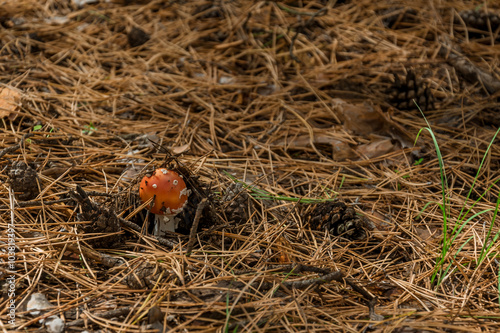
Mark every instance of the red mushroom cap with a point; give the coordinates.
(169, 188)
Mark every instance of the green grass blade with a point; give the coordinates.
(446, 270)
(486, 248)
(478, 172)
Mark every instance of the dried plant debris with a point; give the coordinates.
(339, 219)
(399, 17)
(24, 180)
(307, 100)
(456, 57)
(76, 325)
(102, 223)
(145, 275)
(405, 91)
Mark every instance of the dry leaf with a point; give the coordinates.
(283, 244)
(9, 103)
(180, 149)
(340, 150)
(365, 120)
(380, 221)
(378, 147)
(428, 234)
(361, 119)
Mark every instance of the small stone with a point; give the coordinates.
(137, 37)
(54, 324)
(36, 303)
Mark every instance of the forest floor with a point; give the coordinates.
(294, 123)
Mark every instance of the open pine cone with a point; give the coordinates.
(403, 92)
(338, 219)
(237, 200)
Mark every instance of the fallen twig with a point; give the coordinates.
(194, 227)
(454, 55)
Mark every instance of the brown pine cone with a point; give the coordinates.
(338, 219)
(237, 203)
(479, 19)
(403, 92)
(102, 221)
(23, 180)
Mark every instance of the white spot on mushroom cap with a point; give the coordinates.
(164, 171)
(154, 186)
(185, 192)
(176, 182)
(178, 210)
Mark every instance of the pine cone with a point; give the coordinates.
(102, 221)
(23, 180)
(237, 203)
(339, 220)
(402, 93)
(479, 19)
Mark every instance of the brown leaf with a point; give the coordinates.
(282, 254)
(180, 149)
(378, 147)
(361, 119)
(340, 149)
(9, 103)
(365, 120)
(428, 234)
(380, 221)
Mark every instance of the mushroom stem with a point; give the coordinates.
(164, 224)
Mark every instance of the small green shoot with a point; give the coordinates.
(37, 128)
(284, 279)
(342, 182)
(327, 192)
(419, 161)
(89, 129)
(403, 176)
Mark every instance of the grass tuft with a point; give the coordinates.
(442, 267)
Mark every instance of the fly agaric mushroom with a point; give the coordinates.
(170, 196)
